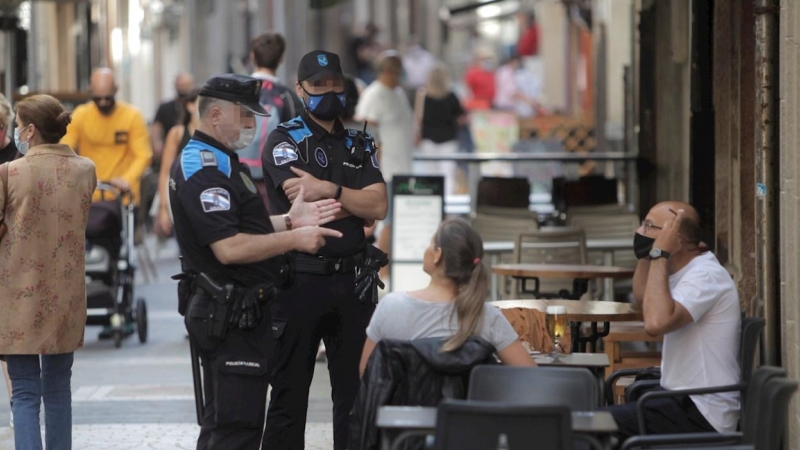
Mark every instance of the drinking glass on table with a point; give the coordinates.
(556, 321)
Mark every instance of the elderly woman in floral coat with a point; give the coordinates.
(44, 203)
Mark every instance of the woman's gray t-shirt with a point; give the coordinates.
(403, 317)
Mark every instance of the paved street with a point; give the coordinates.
(141, 396)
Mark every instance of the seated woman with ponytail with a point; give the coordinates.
(452, 306)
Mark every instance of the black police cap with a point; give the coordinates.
(236, 88)
(319, 64)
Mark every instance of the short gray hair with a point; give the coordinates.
(204, 104)
(6, 113)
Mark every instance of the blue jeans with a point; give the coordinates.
(30, 384)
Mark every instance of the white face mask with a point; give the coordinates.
(22, 147)
(246, 137)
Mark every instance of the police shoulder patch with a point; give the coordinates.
(215, 199)
(283, 153)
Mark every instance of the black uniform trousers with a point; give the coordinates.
(235, 380)
(662, 416)
(315, 307)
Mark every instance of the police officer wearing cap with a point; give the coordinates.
(316, 153)
(228, 244)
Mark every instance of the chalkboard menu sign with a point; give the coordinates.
(417, 211)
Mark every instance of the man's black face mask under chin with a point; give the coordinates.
(642, 245)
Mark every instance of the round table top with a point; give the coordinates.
(562, 271)
(580, 310)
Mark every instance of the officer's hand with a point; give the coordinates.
(163, 224)
(120, 184)
(311, 239)
(305, 214)
(314, 189)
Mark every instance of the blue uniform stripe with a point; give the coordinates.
(192, 162)
(298, 130)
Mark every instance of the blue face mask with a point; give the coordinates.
(327, 106)
(22, 147)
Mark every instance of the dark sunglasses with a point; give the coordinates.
(107, 98)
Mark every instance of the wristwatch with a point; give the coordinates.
(656, 253)
(288, 221)
(338, 192)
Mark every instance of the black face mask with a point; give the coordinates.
(327, 106)
(642, 245)
(107, 108)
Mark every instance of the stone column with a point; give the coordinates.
(672, 99)
(789, 198)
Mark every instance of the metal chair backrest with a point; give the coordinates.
(488, 426)
(621, 225)
(573, 387)
(605, 226)
(550, 245)
(755, 396)
(752, 327)
(773, 415)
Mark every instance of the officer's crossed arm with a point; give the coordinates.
(368, 203)
(304, 214)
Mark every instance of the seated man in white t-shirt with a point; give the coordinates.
(690, 299)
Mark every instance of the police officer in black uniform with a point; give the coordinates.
(228, 244)
(314, 151)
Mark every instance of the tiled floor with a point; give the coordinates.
(163, 436)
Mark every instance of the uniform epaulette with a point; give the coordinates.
(297, 129)
(197, 155)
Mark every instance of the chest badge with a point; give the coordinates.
(321, 157)
(248, 183)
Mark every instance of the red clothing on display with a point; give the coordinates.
(528, 44)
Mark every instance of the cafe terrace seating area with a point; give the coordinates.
(579, 260)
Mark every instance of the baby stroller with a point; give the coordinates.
(110, 267)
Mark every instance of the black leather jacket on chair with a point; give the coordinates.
(412, 373)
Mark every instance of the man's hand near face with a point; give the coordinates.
(669, 240)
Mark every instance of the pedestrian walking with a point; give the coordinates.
(44, 205)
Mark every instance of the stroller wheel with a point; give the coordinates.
(141, 320)
(118, 338)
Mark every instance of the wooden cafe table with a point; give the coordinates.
(580, 274)
(579, 311)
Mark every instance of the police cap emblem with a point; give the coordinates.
(322, 60)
